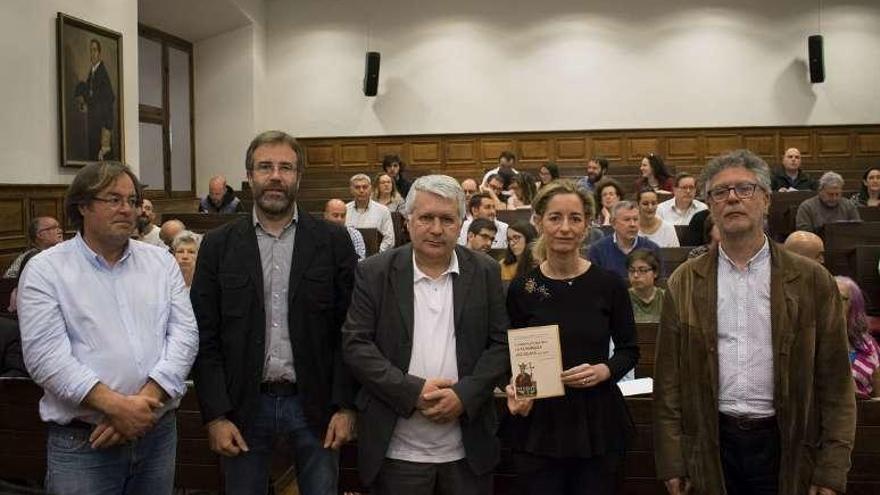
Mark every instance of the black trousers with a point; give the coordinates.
(750, 456)
(541, 475)
(398, 477)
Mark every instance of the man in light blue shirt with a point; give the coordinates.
(108, 332)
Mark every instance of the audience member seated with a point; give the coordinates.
(186, 250)
(394, 166)
(654, 175)
(611, 251)
(334, 212)
(470, 187)
(806, 244)
(496, 190)
(709, 237)
(827, 206)
(522, 191)
(681, 208)
(481, 205)
(869, 193)
(220, 199)
(43, 233)
(385, 193)
(480, 235)
(608, 193)
(864, 354)
(547, 174)
(169, 229)
(650, 225)
(505, 169)
(790, 177)
(363, 212)
(597, 167)
(11, 360)
(518, 258)
(147, 231)
(646, 297)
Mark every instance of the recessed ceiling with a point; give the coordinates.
(192, 20)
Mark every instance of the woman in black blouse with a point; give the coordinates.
(573, 444)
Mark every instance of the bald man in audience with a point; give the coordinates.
(170, 228)
(334, 212)
(220, 199)
(806, 244)
(470, 187)
(790, 177)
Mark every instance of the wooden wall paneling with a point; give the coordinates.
(12, 217)
(609, 146)
(640, 146)
(355, 154)
(461, 152)
(397, 147)
(833, 144)
(800, 140)
(763, 145)
(867, 142)
(535, 150)
(684, 148)
(571, 149)
(427, 153)
(321, 155)
(491, 148)
(46, 207)
(717, 144)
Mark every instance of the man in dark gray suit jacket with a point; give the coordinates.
(426, 337)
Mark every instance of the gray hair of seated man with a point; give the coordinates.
(622, 205)
(359, 178)
(737, 158)
(830, 179)
(441, 185)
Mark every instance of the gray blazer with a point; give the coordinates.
(377, 340)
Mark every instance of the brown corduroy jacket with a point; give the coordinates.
(813, 390)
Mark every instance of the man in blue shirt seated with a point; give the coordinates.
(610, 252)
(108, 332)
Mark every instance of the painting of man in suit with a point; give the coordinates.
(90, 92)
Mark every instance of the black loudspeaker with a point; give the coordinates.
(371, 73)
(817, 59)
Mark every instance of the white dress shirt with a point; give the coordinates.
(670, 214)
(664, 236)
(374, 216)
(84, 321)
(417, 439)
(745, 348)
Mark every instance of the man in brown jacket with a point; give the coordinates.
(753, 392)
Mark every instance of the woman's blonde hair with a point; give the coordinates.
(539, 206)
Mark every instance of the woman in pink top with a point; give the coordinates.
(864, 354)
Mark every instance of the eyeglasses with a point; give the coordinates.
(515, 239)
(116, 202)
(269, 168)
(640, 270)
(743, 190)
(54, 227)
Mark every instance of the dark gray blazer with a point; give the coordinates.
(377, 340)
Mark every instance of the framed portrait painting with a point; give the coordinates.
(89, 92)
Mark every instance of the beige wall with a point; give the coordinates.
(29, 147)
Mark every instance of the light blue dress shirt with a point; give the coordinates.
(83, 322)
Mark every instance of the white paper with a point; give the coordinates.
(638, 386)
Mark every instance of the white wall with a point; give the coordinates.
(29, 147)
(519, 65)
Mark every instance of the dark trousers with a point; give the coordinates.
(540, 475)
(398, 477)
(750, 457)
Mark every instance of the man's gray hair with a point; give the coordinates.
(830, 179)
(359, 178)
(623, 205)
(186, 237)
(737, 158)
(441, 185)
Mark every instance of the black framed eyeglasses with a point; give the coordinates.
(743, 190)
